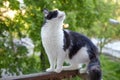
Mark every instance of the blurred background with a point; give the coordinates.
(21, 51)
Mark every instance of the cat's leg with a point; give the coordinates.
(84, 69)
(71, 67)
(60, 61)
(52, 61)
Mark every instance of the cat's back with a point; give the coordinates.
(78, 41)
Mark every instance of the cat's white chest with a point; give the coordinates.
(52, 39)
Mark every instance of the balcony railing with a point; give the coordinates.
(66, 75)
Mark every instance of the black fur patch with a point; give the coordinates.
(52, 14)
(75, 41)
(66, 40)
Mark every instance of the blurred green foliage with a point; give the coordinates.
(110, 66)
(90, 17)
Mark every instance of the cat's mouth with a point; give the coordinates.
(61, 16)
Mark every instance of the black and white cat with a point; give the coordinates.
(65, 45)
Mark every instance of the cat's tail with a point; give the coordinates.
(94, 70)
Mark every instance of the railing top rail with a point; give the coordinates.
(48, 76)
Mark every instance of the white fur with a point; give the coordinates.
(53, 44)
(52, 39)
(80, 58)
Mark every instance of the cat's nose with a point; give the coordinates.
(61, 14)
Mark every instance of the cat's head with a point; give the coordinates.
(55, 15)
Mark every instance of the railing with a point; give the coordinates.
(66, 75)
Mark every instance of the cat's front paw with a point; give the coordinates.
(58, 70)
(82, 71)
(49, 70)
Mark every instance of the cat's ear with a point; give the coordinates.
(46, 12)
